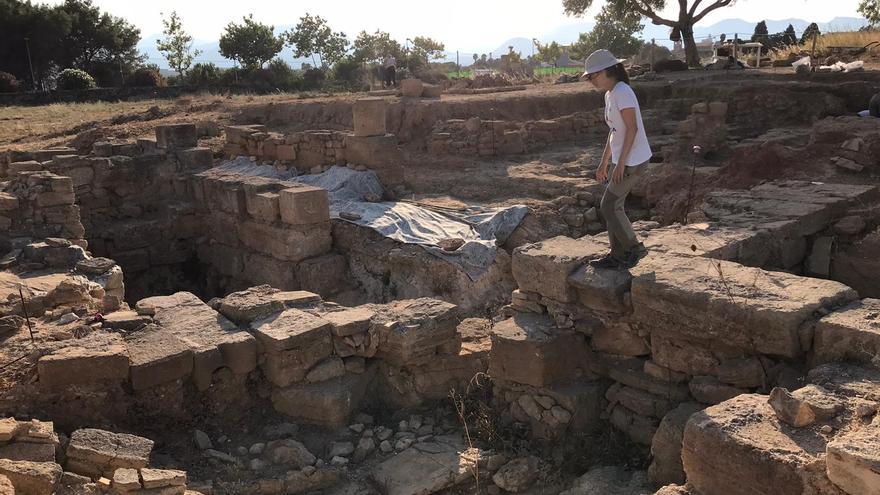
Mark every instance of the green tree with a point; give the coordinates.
(176, 47)
(549, 53)
(615, 30)
(811, 31)
(762, 35)
(251, 43)
(98, 43)
(313, 36)
(871, 10)
(373, 47)
(682, 25)
(790, 36)
(428, 49)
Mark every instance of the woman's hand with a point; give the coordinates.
(602, 172)
(617, 174)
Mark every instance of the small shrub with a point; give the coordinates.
(146, 77)
(233, 76)
(348, 72)
(8, 83)
(313, 79)
(75, 79)
(203, 75)
(282, 74)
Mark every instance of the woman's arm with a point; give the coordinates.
(631, 131)
(602, 171)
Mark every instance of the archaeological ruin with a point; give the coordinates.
(391, 294)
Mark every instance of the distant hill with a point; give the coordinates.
(563, 35)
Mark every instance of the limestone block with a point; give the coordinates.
(739, 448)
(529, 349)
(369, 117)
(264, 207)
(126, 479)
(328, 403)
(350, 321)
(619, 339)
(853, 461)
(544, 267)
(744, 307)
(160, 478)
(325, 275)
(602, 289)
(177, 136)
(288, 243)
(195, 158)
(379, 153)
(8, 429)
(8, 202)
(431, 468)
(25, 451)
(640, 402)
(251, 304)
(411, 331)
(53, 198)
(304, 205)
(28, 166)
(93, 361)
(294, 341)
(238, 134)
(94, 453)
(31, 478)
(261, 269)
(631, 372)
(286, 152)
(412, 88)
(850, 334)
(666, 467)
(688, 356)
(215, 341)
(157, 357)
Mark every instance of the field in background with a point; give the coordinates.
(540, 72)
(826, 43)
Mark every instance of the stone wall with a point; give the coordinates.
(497, 137)
(690, 326)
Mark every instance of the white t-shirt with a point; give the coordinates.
(390, 62)
(619, 98)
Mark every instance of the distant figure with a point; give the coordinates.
(874, 106)
(390, 65)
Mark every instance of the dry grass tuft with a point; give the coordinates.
(826, 44)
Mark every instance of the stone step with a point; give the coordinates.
(850, 334)
(530, 349)
(747, 308)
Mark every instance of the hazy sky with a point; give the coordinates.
(460, 24)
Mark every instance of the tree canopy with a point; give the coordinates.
(427, 48)
(73, 34)
(372, 47)
(615, 31)
(871, 10)
(251, 43)
(690, 12)
(549, 53)
(313, 36)
(177, 44)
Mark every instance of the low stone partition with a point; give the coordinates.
(318, 362)
(33, 460)
(40, 204)
(478, 137)
(691, 325)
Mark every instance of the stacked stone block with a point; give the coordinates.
(687, 326)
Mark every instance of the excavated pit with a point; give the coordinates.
(267, 345)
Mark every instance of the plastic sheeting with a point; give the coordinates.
(481, 229)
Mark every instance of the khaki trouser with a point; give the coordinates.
(620, 231)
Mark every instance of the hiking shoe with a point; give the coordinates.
(633, 257)
(606, 262)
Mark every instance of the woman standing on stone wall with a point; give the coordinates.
(628, 152)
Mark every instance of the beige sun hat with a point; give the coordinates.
(599, 61)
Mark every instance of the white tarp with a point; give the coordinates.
(481, 229)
